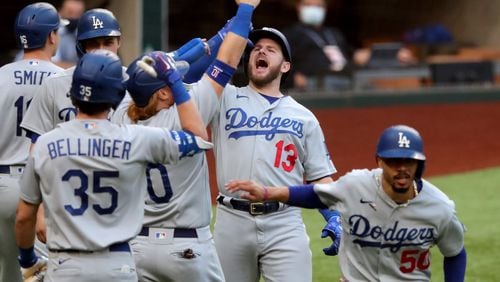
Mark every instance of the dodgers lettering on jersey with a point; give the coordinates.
(30, 77)
(268, 125)
(394, 236)
(92, 147)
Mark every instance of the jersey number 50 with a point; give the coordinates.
(96, 188)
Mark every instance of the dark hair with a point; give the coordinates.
(90, 108)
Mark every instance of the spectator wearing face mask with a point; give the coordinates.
(66, 55)
(322, 57)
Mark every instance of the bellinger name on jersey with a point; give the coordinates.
(267, 125)
(94, 147)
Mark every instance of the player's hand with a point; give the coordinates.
(36, 272)
(41, 228)
(254, 3)
(332, 229)
(254, 191)
(161, 65)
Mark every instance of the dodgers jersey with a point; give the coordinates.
(52, 105)
(177, 195)
(384, 241)
(90, 174)
(20, 82)
(274, 144)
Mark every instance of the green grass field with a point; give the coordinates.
(476, 198)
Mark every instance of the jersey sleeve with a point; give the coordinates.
(451, 238)
(159, 145)
(317, 163)
(38, 117)
(205, 98)
(29, 183)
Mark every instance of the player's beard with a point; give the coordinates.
(398, 188)
(271, 75)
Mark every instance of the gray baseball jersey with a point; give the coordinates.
(20, 81)
(90, 174)
(177, 196)
(52, 105)
(274, 144)
(384, 241)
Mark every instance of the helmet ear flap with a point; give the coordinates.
(34, 23)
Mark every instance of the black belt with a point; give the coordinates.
(117, 247)
(5, 169)
(178, 232)
(253, 208)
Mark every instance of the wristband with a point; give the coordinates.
(179, 92)
(266, 194)
(27, 257)
(220, 72)
(242, 21)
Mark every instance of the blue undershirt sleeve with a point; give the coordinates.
(454, 267)
(305, 197)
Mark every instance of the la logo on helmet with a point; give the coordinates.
(97, 22)
(403, 141)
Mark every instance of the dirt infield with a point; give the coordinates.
(457, 137)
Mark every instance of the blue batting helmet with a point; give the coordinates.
(34, 23)
(141, 85)
(401, 141)
(96, 23)
(99, 78)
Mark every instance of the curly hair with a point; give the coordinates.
(136, 113)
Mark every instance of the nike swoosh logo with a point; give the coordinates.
(241, 96)
(365, 202)
(61, 261)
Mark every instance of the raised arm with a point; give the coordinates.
(233, 46)
(163, 66)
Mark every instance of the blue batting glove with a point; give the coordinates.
(333, 229)
(165, 68)
(191, 51)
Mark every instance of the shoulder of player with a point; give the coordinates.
(433, 195)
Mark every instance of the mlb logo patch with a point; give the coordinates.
(161, 235)
(34, 63)
(89, 125)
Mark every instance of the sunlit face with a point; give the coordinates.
(110, 43)
(398, 173)
(266, 62)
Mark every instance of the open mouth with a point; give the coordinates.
(261, 64)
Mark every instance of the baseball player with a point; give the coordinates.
(36, 28)
(175, 243)
(391, 217)
(89, 173)
(97, 29)
(260, 133)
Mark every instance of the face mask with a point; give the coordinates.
(312, 15)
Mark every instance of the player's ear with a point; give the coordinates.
(285, 67)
